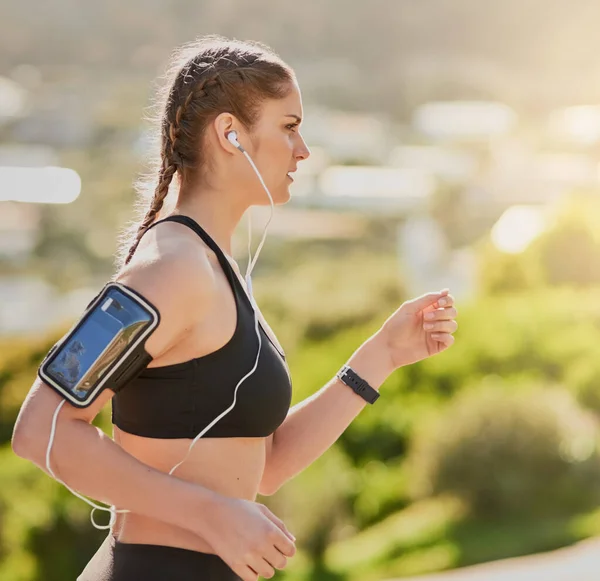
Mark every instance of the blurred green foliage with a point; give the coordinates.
(530, 453)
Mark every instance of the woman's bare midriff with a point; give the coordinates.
(229, 466)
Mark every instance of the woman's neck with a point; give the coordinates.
(213, 212)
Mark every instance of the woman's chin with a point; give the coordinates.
(281, 196)
(287, 195)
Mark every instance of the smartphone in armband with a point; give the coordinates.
(105, 349)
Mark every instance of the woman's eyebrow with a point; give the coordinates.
(296, 117)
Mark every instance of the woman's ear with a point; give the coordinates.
(222, 126)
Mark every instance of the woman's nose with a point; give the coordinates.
(302, 151)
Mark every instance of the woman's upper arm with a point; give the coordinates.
(181, 288)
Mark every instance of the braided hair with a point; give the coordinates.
(209, 76)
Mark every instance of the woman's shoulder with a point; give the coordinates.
(172, 249)
(172, 271)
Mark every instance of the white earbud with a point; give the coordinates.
(232, 137)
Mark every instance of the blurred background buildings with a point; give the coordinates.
(431, 102)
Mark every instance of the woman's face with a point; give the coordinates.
(277, 147)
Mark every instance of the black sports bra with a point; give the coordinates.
(180, 400)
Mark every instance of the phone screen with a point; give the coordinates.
(97, 342)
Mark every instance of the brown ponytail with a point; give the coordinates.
(170, 162)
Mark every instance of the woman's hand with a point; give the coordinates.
(420, 328)
(248, 537)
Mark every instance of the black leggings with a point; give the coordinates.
(115, 561)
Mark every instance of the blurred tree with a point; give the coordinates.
(530, 454)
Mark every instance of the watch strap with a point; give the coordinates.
(360, 386)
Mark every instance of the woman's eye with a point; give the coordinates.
(291, 126)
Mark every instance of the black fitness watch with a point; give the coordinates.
(348, 376)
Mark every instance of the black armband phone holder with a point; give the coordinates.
(105, 349)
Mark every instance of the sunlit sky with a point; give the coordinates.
(518, 227)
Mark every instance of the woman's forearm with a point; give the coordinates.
(313, 425)
(94, 465)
